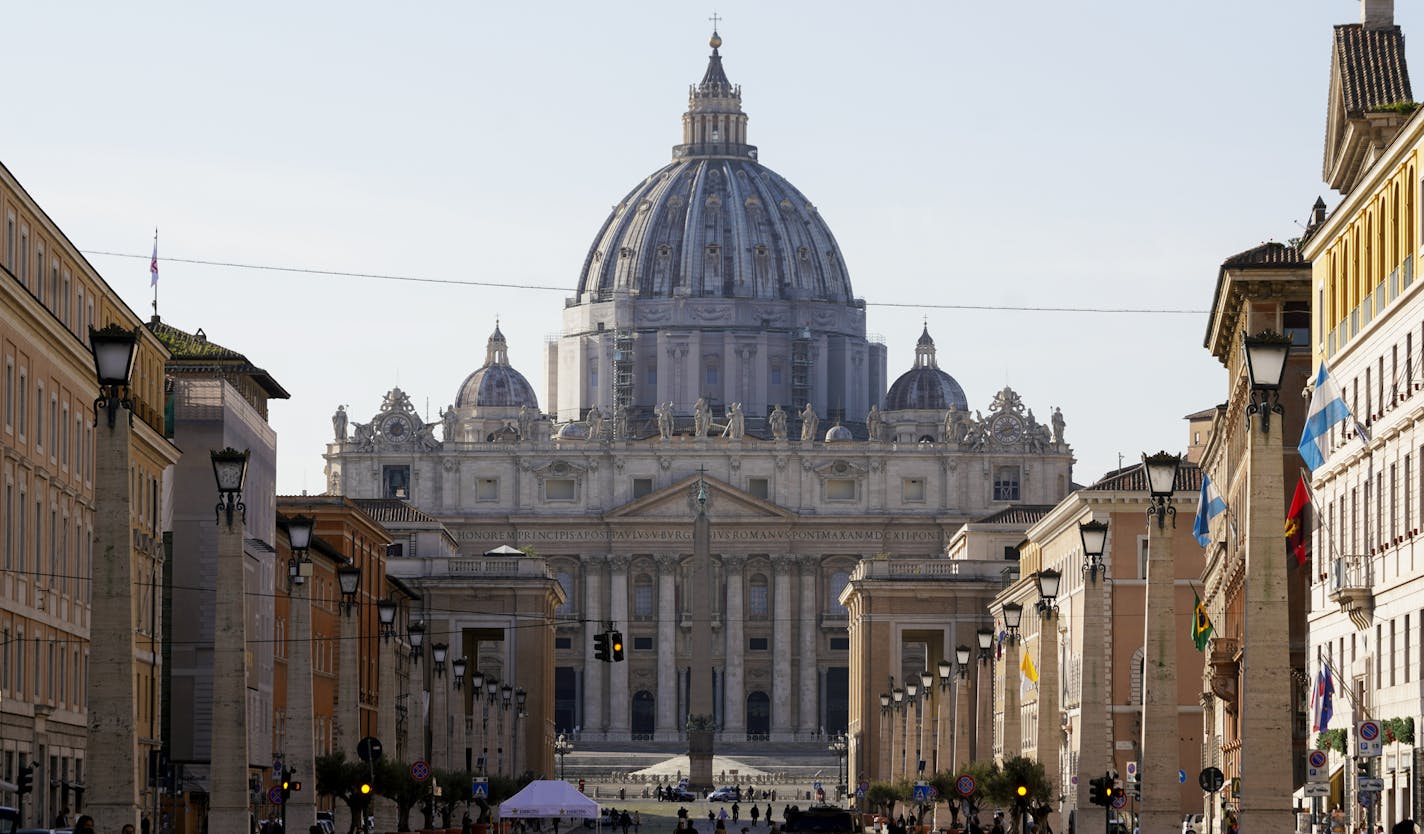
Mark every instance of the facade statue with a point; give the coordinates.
(777, 420)
(701, 418)
(1057, 426)
(449, 418)
(620, 423)
(595, 424)
(956, 425)
(365, 435)
(873, 423)
(526, 417)
(976, 434)
(338, 423)
(664, 413)
(736, 422)
(809, 423)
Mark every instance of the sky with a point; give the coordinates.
(1106, 155)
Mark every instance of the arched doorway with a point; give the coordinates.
(758, 716)
(644, 715)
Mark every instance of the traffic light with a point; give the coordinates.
(25, 781)
(600, 647)
(616, 638)
(1109, 790)
(1021, 795)
(289, 784)
(365, 788)
(1095, 791)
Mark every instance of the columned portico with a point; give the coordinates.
(782, 567)
(668, 724)
(734, 726)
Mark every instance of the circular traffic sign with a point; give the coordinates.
(1317, 758)
(369, 749)
(419, 771)
(1181, 777)
(1120, 801)
(275, 795)
(1211, 779)
(1369, 730)
(965, 785)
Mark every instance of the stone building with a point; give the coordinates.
(50, 297)
(713, 333)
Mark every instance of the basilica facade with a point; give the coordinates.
(713, 346)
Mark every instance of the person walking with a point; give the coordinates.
(756, 812)
(737, 812)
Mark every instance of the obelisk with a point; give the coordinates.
(701, 719)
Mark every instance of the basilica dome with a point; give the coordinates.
(925, 386)
(497, 384)
(715, 222)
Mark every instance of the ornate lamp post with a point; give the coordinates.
(416, 632)
(386, 616)
(562, 748)
(897, 697)
(506, 696)
(926, 698)
(491, 695)
(944, 718)
(1266, 706)
(521, 702)
(299, 811)
(440, 707)
(840, 747)
(227, 776)
(113, 737)
(886, 730)
(1159, 680)
(1049, 725)
(912, 705)
(477, 696)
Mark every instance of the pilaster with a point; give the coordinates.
(734, 704)
(667, 727)
(782, 568)
(808, 717)
(620, 706)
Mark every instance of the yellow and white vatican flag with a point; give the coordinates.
(1028, 676)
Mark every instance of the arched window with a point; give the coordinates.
(758, 599)
(839, 580)
(566, 581)
(643, 597)
(1139, 660)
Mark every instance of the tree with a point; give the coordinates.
(394, 782)
(882, 796)
(1003, 787)
(338, 778)
(455, 788)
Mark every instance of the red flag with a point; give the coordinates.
(1296, 538)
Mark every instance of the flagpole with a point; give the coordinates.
(153, 269)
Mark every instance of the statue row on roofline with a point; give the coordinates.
(1008, 426)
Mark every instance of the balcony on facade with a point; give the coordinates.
(1352, 587)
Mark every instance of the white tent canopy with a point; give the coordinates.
(549, 798)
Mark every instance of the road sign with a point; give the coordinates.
(479, 787)
(276, 766)
(1119, 800)
(922, 792)
(1181, 777)
(965, 785)
(1370, 785)
(1317, 788)
(1211, 779)
(859, 791)
(369, 749)
(1317, 766)
(1367, 739)
(816, 785)
(419, 771)
(274, 795)
(1367, 799)
(1131, 769)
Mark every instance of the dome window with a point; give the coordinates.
(803, 254)
(760, 250)
(625, 252)
(664, 251)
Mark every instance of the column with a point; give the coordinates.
(1160, 725)
(782, 566)
(809, 716)
(346, 726)
(439, 714)
(300, 752)
(227, 786)
(982, 716)
(595, 723)
(1050, 726)
(1013, 718)
(112, 769)
(1266, 679)
(963, 722)
(1092, 736)
(734, 704)
(668, 723)
(384, 809)
(620, 706)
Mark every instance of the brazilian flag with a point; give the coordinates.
(1201, 624)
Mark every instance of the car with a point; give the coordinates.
(1193, 824)
(327, 821)
(680, 793)
(726, 793)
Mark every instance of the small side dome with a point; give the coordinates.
(838, 434)
(925, 386)
(497, 384)
(572, 431)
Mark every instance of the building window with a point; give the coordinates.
(840, 489)
(759, 487)
(711, 375)
(643, 597)
(839, 580)
(757, 644)
(396, 481)
(9, 394)
(652, 376)
(23, 403)
(912, 489)
(1006, 483)
(642, 486)
(487, 489)
(643, 644)
(840, 644)
(563, 642)
(559, 489)
(775, 374)
(758, 598)
(1142, 553)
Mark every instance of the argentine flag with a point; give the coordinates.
(1209, 506)
(1327, 409)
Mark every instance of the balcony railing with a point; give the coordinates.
(1350, 573)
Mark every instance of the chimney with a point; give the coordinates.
(1377, 14)
(1317, 214)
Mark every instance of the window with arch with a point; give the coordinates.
(1139, 667)
(643, 597)
(566, 581)
(758, 597)
(839, 580)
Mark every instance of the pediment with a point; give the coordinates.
(678, 501)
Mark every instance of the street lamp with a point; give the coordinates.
(506, 692)
(986, 644)
(961, 656)
(386, 615)
(477, 690)
(227, 778)
(458, 667)
(945, 669)
(562, 748)
(1095, 541)
(491, 695)
(1266, 355)
(113, 348)
(840, 746)
(416, 632)
(1048, 591)
(1161, 471)
(348, 578)
(113, 738)
(1013, 615)
(439, 652)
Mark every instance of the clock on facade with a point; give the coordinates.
(1007, 429)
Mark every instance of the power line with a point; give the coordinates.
(336, 273)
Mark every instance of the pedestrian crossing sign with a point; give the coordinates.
(479, 787)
